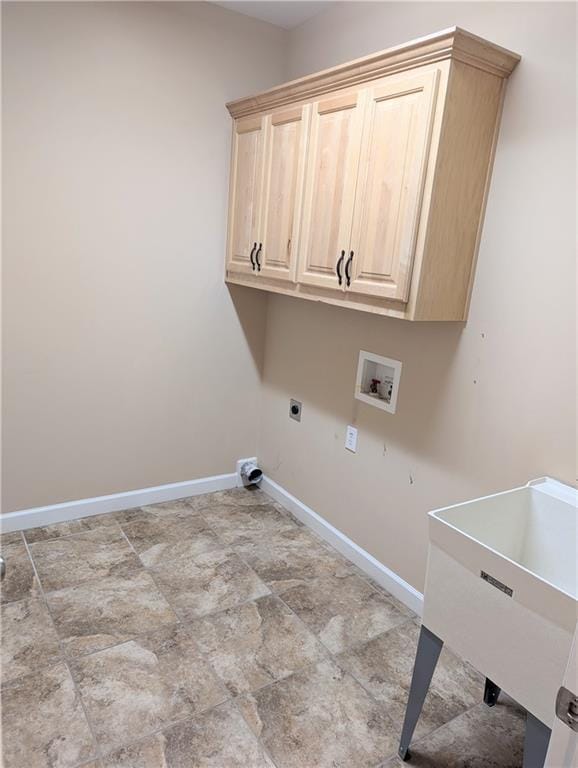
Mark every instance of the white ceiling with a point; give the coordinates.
(282, 13)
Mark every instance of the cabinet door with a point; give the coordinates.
(395, 147)
(287, 137)
(333, 159)
(245, 194)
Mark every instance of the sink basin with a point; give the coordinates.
(501, 587)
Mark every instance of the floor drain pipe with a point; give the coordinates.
(250, 473)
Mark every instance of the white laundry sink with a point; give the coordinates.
(501, 587)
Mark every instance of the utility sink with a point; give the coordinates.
(501, 587)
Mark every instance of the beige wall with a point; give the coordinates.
(483, 407)
(126, 362)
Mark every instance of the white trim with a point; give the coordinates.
(380, 573)
(72, 510)
(557, 489)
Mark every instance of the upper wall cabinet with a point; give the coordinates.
(268, 166)
(391, 174)
(287, 135)
(332, 164)
(365, 185)
(246, 192)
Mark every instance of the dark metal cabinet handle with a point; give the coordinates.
(251, 255)
(348, 270)
(338, 267)
(567, 708)
(257, 257)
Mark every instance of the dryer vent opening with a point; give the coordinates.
(251, 474)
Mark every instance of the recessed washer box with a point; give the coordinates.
(377, 381)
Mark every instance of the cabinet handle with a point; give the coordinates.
(257, 256)
(251, 255)
(347, 270)
(338, 267)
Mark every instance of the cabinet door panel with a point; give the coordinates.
(284, 171)
(246, 187)
(395, 147)
(335, 141)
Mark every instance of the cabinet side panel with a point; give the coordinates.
(462, 177)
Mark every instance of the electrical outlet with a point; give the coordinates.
(295, 410)
(351, 439)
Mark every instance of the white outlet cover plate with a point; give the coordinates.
(351, 439)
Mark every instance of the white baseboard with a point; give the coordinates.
(380, 573)
(72, 510)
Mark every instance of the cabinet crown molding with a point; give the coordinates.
(452, 43)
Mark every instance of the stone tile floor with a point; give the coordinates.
(218, 632)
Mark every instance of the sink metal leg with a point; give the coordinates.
(491, 693)
(428, 652)
(536, 742)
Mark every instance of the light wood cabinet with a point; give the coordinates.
(365, 185)
(246, 193)
(285, 149)
(332, 164)
(267, 172)
(396, 141)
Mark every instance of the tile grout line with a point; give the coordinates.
(384, 593)
(160, 730)
(280, 597)
(357, 572)
(7, 533)
(272, 592)
(130, 572)
(166, 726)
(96, 745)
(74, 533)
(118, 525)
(333, 658)
(431, 733)
(229, 699)
(382, 704)
(177, 612)
(109, 528)
(179, 622)
(257, 738)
